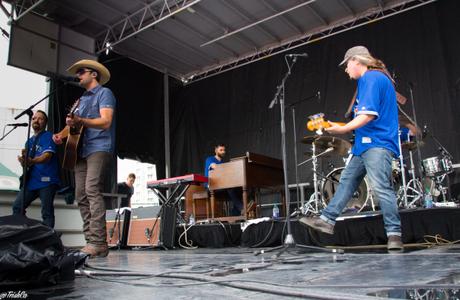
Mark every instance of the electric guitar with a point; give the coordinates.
(318, 123)
(73, 134)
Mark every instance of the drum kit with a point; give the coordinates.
(410, 194)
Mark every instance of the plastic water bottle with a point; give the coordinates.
(276, 212)
(191, 219)
(428, 200)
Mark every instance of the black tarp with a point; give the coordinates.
(32, 254)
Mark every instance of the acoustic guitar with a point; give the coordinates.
(73, 134)
(318, 123)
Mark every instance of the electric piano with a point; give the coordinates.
(178, 185)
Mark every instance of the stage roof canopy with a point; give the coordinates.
(194, 39)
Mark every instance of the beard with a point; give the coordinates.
(35, 126)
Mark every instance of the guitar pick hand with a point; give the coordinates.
(57, 139)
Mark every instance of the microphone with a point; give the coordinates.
(63, 78)
(18, 124)
(297, 55)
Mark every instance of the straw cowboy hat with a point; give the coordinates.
(93, 65)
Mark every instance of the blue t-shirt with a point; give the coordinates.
(376, 96)
(210, 160)
(96, 140)
(43, 175)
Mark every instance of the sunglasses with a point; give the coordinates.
(82, 71)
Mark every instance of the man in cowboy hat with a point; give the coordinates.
(95, 112)
(375, 124)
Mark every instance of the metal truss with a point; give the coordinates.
(139, 21)
(21, 8)
(361, 19)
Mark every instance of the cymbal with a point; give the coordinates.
(322, 142)
(412, 145)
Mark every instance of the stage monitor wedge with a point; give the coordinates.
(42, 46)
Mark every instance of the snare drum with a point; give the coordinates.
(437, 166)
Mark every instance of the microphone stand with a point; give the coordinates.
(289, 241)
(6, 134)
(292, 106)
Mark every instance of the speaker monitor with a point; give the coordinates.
(144, 229)
(116, 224)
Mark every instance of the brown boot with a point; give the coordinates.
(95, 250)
(318, 224)
(395, 244)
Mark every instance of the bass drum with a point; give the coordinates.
(362, 198)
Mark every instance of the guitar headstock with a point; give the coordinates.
(74, 107)
(317, 123)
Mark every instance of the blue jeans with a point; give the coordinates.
(376, 163)
(46, 195)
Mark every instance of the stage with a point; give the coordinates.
(237, 261)
(352, 230)
(236, 273)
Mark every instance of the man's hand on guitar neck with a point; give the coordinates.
(336, 128)
(73, 120)
(357, 122)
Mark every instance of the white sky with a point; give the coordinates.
(18, 88)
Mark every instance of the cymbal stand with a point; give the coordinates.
(403, 171)
(315, 198)
(414, 186)
(439, 187)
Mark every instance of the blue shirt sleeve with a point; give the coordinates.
(47, 144)
(206, 166)
(368, 96)
(107, 99)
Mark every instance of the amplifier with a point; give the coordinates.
(115, 225)
(144, 228)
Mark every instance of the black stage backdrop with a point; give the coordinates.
(139, 112)
(421, 48)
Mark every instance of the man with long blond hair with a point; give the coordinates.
(375, 123)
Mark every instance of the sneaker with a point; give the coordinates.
(395, 244)
(95, 250)
(318, 224)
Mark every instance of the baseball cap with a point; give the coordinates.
(354, 51)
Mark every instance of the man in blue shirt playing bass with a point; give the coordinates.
(95, 112)
(375, 124)
(43, 174)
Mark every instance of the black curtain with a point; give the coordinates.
(420, 47)
(139, 113)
